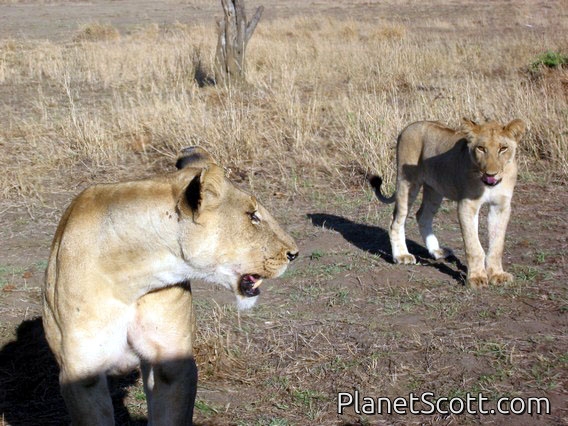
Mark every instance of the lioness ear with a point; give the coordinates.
(212, 182)
(205, 190)
(515, 129)
(193, 156)
(193, 193)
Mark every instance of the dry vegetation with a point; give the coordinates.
(325, 99)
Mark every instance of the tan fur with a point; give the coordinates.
(117, 284)
(474, 166)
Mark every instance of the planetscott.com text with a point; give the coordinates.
(428, 403)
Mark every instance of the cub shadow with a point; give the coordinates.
(29, 384)
(375, 240)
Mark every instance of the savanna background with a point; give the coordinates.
(103, 91)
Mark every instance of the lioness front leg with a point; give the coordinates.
(171, 388)
(468, 214)
(87, 399)
(498, 219)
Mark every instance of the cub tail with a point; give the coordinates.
(376, 182)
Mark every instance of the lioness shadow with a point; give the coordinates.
(29, 385)
(375, 240)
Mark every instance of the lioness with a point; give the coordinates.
(474, 166)
(117, 284)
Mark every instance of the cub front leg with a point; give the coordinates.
(468, 214)
(497, 221)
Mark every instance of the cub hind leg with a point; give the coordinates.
(406, 193)
(431, 201)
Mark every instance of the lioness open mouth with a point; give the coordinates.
(249, 285)
(490, 180)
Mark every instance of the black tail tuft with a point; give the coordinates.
(376, 182)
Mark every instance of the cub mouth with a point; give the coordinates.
(249, 284)
(490, 180)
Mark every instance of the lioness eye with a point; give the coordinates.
(481, 149)
(503, 149)
(254, 218)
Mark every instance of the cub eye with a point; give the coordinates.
(481, 149)
(503, 149)
(254, 218)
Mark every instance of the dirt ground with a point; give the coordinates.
(344, 317)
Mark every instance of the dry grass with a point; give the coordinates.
(326, 98)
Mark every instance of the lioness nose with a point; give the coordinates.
(291, 256)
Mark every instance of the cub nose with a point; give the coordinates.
(292, 255)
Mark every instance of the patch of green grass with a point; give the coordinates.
(306, 396)
(486, 384)
(279, 382)
(339, 298)
(41, 265)
(316, 254)
(309, 401)
(319, 271)
(338, 364)
(404, 299)
(139, 395)
(8, 271)
(525, 272)
(278, 422)
(550, 59)
(497, 351)
(306, 293)
(205, 407)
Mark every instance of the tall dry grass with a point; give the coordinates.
(325, 100)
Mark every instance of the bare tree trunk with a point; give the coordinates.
(233, 36)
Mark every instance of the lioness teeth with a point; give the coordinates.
(256, 284)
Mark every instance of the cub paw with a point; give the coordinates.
(405, 259)
(477, 280)
(442, 253)
(499, 278)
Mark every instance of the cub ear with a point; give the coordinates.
(205, 190)
(515, 129)
(193, 156)
(469, 127)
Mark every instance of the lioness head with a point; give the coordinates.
(492, 147)
(227, 236)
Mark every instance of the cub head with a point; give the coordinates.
(492, 147)
(227, 236)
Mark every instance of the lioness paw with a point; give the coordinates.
(405, 259)
(499, 278)
(477, 280)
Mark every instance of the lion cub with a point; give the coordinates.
(474, 166)
(117, 291)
